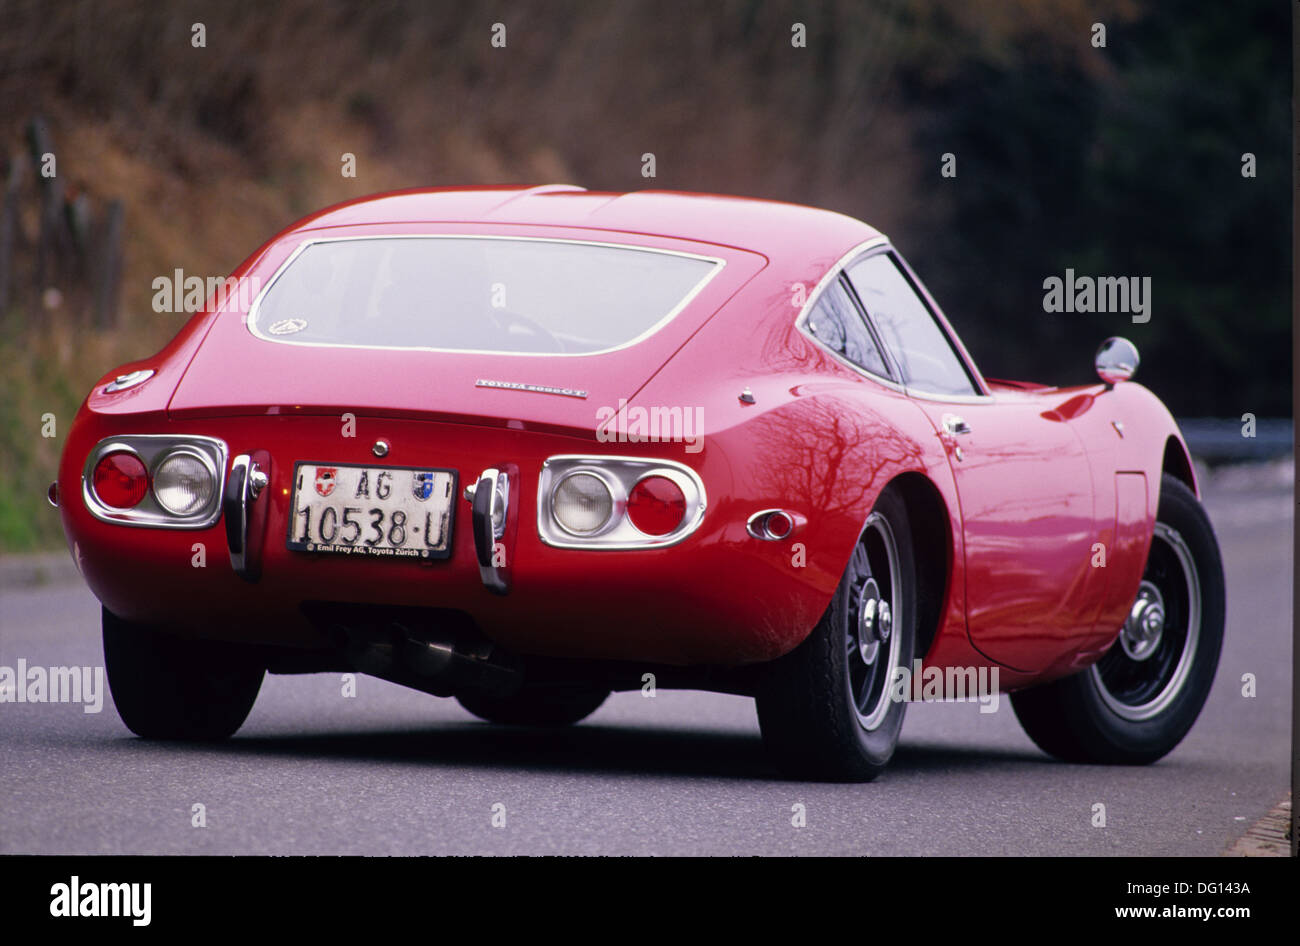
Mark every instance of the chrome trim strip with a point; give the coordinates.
(152, 449)
(951, 398)
(945, 326)
(621, 474)
(873, 247)
(251, 319)
(801, 319)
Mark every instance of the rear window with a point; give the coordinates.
(501, 295)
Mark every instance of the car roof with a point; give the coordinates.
(770, 227)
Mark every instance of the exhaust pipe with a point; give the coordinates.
(434, 664)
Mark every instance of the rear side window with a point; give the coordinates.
(836, 322)
(920, 347)
(498, 295)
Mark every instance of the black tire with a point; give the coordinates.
(1126, 711)
(168, 688)
(535, 706)
(819, 708)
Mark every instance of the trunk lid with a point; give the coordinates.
(235, 372)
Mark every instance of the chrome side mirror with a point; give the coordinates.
(1117, 360)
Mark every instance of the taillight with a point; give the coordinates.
(582, 503)
(656, 505)
(120, 480)
(165, 481)
(617, 502)
(183, 483)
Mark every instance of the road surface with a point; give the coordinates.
(391, 771)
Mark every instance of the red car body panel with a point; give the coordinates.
(1047, 477)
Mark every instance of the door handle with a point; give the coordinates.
(954, 425)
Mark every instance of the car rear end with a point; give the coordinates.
(419, 423)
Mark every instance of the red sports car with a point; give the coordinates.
(525, 447)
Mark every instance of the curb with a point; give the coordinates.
(1270, 836)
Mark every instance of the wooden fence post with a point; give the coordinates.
(9, 229)
(108, 276)
(52, 242)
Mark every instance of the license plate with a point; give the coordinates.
(378, 511)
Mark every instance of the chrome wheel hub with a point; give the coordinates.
(875, 621)
(1140, 636)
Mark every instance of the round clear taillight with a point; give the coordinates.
(656, 505)
(582, 503)
(183, 484)
(120, 480)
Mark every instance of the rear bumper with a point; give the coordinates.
(720, 597)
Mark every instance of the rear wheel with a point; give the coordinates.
(168, 688)
(1138, 702)
(825, 709)
(536, 705)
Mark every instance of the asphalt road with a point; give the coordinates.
(392, 771)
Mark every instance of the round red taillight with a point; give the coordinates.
(120, 480)
(656, 505)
